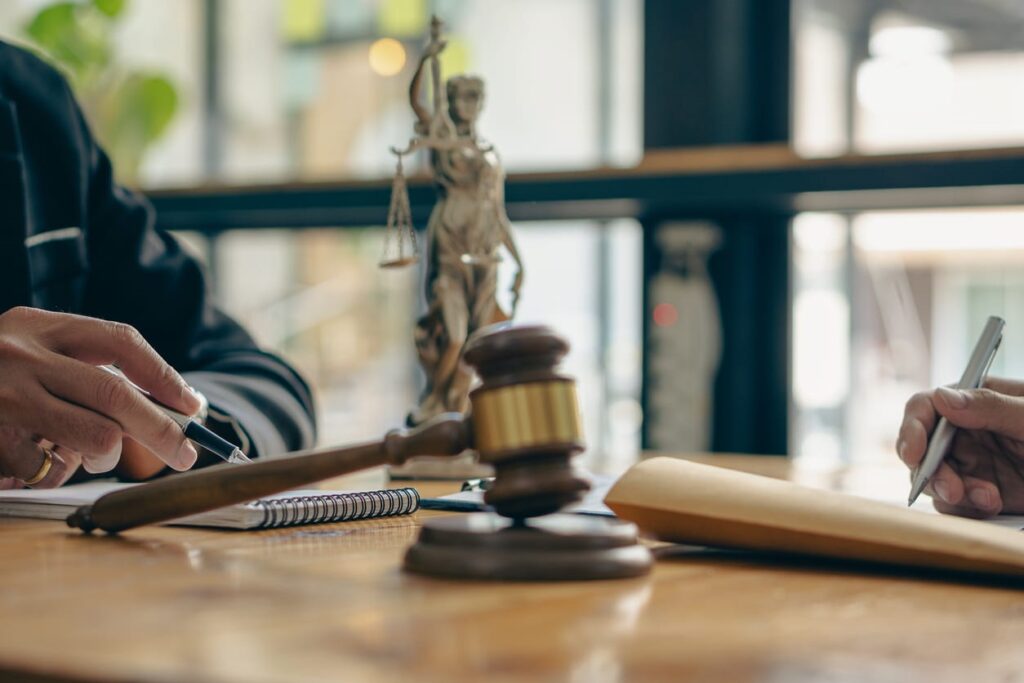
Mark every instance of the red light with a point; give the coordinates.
(665, 315)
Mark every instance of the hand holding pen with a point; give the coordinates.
(983, 473)
(192, 428)
(58, 410)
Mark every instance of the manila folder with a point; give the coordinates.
(685, 502)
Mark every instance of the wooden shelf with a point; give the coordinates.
(698, 182)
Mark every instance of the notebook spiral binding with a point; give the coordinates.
(344, 507)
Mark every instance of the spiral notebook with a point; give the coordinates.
(308, 506)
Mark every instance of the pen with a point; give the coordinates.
(193, 431)
(974, 375)
(477, 484)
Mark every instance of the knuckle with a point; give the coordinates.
(13, 350)
(169, 434)
(113, 395)
(127, 335)
(169, 376)
(992, 404)
(986, 396)
(917, 400)
(24, 313)
(105, 437)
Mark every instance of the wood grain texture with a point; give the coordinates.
(329, 603)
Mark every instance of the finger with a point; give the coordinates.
(1003, 385)
(72, 461)
(101, 342)
(59, 471)
(111, 396)
(24, 460)
(946, 485)
(958, 510)
(983, 495)
(982, 409)
(96, 437)
(919, 420)
(912, 442)
(20, 457)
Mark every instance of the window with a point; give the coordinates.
(890, 303)
(319, 89)
(896, 76)
(319, 297)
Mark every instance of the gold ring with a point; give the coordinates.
(44, 469)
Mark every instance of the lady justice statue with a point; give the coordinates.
(467, 228)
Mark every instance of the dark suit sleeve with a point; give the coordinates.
(141, 276)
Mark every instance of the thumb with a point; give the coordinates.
(982, 409)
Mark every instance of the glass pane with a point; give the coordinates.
(313, 89)
(890, 303)
(887, 76)
(320, 89)
(318, 297)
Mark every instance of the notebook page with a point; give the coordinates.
(74, 495)
(57, 504)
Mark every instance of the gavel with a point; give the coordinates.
(524, 420)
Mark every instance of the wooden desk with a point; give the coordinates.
(329, 603)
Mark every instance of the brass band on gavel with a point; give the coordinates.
(525, 416)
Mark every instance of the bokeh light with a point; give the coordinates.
(387, 56)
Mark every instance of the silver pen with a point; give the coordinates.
(194, 432)
(973, 377)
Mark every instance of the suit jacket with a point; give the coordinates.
(73, 240)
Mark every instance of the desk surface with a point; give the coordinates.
(328, 603)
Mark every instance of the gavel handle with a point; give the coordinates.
(198, 491)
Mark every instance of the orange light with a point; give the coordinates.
(665, 315)
(387, 56)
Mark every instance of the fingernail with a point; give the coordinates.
(942, 490)
(190, 397)
(981, 498)
(105, 462)
(900, 447)
(187, 455)
(955, 399)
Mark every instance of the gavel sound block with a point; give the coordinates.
(524, 421)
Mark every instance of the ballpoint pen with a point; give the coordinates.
(974, 375)
(193, 430)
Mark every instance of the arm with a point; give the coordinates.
(422, 115)
(507, 239)
(140, 275)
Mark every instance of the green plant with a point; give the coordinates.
(128, 109)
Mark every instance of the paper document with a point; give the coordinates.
(687, 502)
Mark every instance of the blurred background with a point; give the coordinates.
(741, 289)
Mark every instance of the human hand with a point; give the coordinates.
(23, 457)
(52, 390)
(433, 49)
(983, 474)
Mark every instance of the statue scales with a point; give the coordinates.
(466, 231)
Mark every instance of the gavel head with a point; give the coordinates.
(525, 420)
